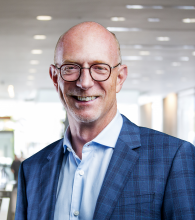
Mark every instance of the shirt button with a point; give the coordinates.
(76, 213)
(81, 172)
(68, 149)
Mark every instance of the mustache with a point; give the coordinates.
(79, 92)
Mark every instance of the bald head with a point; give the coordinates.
(90, 32)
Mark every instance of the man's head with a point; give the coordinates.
(86, 44)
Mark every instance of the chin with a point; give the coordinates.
(85, 118)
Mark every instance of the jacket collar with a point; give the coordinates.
(49, 181)
(118, 173)
(130, 134)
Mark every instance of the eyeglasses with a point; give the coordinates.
(99, 72)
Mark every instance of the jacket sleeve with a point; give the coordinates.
(21, 205)
(179, 197)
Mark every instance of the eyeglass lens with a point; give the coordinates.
(71, 72)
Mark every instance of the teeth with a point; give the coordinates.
(86, 99)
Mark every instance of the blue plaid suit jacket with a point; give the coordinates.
(151, 175)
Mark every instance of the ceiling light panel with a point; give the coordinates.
(184, 58)
(123, 29)
(193, 53)
(160, 7)
(163, 38)
(44, 18)
(144, 7)
(117, 19)
(157, 47)
(185, 7)
(131, 58)
(34, 62)
(36, 51)
(153, 20)
(138, 46)
(134, 6)
(189, 20)
(144, 53)
(39, 37)
(176, 64)
(188, 47)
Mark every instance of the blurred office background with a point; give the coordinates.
(157, 39)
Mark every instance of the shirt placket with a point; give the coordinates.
(77, 189)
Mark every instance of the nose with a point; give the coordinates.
(85, 81)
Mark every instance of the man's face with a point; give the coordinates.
(86, 100)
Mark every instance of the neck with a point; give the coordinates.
(82, 132)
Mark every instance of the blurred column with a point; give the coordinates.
(186, 115)
(157, 115)
(146, 115)
(170, 114)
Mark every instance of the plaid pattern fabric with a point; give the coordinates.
(151, 175)
(37, 184)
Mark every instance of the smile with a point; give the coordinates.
(85, 99)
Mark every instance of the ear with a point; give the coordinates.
(121, 77)
(54, 76)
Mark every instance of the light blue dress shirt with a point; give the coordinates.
(80, 181)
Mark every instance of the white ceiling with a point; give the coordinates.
(18, 25)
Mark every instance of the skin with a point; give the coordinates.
(85, 44)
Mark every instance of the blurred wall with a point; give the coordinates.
(146, 115)
(170, 114)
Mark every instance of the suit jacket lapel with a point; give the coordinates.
(49, 182)
(119, 170)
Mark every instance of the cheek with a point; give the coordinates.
(62, 92)
(112, 86)
(110, 90)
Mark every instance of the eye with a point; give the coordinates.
(69, 68)
(100, 68)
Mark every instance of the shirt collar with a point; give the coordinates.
(107, 137)
(66, 142)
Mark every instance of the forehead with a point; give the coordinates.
(86, 45)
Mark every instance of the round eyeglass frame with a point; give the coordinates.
(89, 70)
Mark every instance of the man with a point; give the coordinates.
(15, 167)
(105, 167)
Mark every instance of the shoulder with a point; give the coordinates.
(152, 139)
(158, 137)
(41, 156)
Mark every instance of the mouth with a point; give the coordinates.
(85, 99)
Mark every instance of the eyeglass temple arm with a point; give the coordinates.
(115, 66)
(56, 67)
